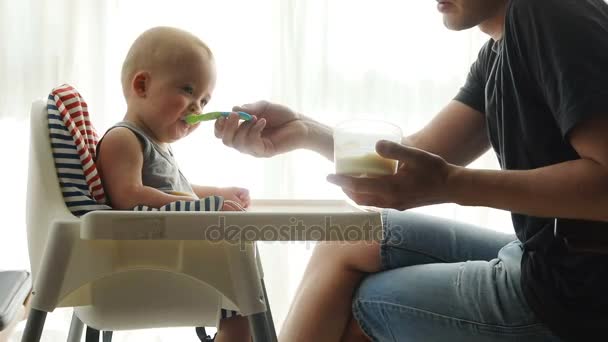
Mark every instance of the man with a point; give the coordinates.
(538, 95)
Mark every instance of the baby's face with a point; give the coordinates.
(177, 91)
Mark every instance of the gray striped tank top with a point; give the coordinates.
(160, 170)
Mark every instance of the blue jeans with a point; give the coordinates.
(445, 281)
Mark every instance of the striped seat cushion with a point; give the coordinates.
(73, 142)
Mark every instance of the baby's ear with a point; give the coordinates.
(140, 84)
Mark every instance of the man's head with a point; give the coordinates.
(167, 74)
(464, 14)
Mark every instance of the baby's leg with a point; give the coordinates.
(233, 329)
(321, 308)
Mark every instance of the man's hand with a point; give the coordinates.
(420, 180)
(275, 129)
(238, 195)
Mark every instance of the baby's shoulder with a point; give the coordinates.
(120, 135)
(119, 132)
(120, 140)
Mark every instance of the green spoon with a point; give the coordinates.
(192, 119)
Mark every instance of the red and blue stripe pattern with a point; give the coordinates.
(73, 142)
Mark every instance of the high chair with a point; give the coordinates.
(124, 270)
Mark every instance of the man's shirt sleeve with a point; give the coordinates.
(472, 93)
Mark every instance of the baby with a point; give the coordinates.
(167, 74)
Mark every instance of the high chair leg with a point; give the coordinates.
(106, 336)
(34, 326)
(268, 314)
(76, 327)
(259, 328)
(92, 335)
(261, 325)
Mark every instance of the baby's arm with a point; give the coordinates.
(239, 195)
(205, 191)
(120, 163)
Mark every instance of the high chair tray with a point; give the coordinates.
(265, 220)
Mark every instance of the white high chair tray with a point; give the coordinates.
(265, 220)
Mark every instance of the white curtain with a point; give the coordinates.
(333, 60)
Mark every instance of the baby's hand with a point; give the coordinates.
(238, 195)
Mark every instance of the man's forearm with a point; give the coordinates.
(319, 138)
(457, 134)
(575, 189)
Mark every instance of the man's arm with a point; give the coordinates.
(575, 189)
(457, 134)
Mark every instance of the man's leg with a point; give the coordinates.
(430, 292)
(322, 304)
(336, 268)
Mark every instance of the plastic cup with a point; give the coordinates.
(355, 148)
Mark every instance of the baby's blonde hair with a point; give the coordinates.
(157, 47)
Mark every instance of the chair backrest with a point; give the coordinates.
(63, 181)
(44, 199)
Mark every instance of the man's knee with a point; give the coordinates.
(361, 256)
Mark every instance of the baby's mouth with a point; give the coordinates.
(183, 118)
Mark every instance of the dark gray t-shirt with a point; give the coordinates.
(159, 170)
(547, 74)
